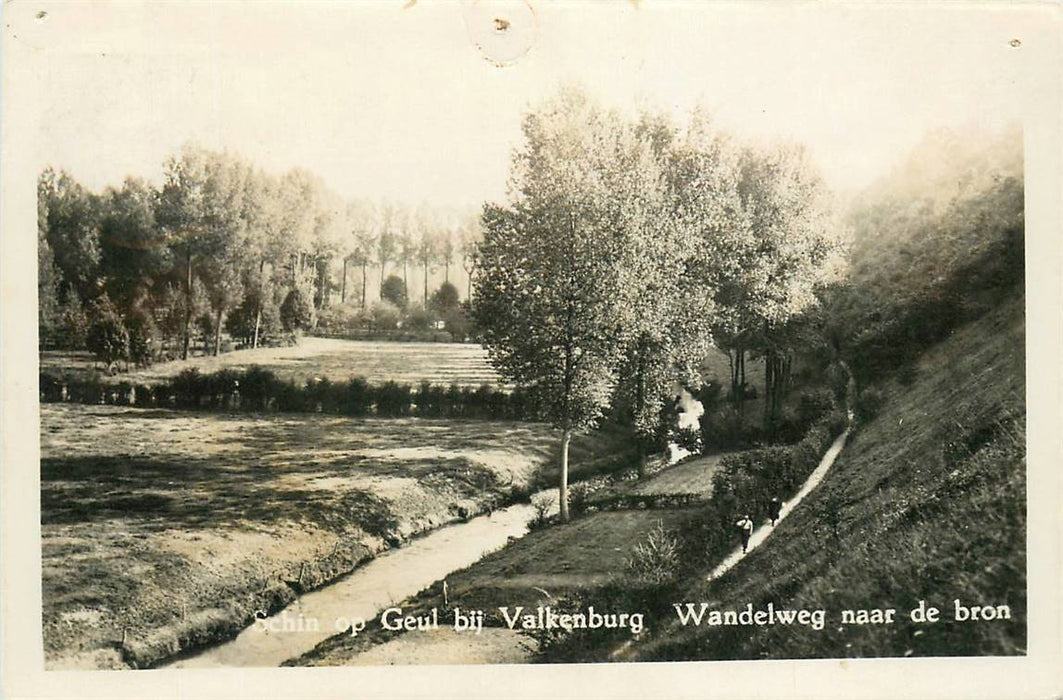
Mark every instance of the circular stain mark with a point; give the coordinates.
(1016, 43)
(502, 30)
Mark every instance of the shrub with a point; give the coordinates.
(420, 319)
(297, 312)
(357, 397)
(342, 318)
(578, 497)
(108, 340)
(814, 404)
(384, 316)
(541, 503)
(187, 387)
(868, 403)
(393, 399)
(655, 560)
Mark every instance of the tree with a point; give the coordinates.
(445, 298)
(200, 209)
(107, 337)
(48, 281)
(427, 248)
(134, 253)
(386, 242)
(549, 298)
(361, 218)
(795, 250)
(297, 311)
(394, 291)
(72, 232)
(406, 238)
(663, 253)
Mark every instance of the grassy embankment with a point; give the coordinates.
(163, 530)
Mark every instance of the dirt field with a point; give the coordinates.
(166, 529)
(440, 363)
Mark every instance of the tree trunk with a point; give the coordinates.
(446, 270)
(566, 437)
(343, 286)
(640, 396)
(405, 284)
(426, 284)
(258, 324)
(741, 381)
(364, 272)
(217, 333)
(186, 340)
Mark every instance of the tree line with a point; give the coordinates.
(223, 246)
(630, 246)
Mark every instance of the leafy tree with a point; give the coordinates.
(72, 231)
(445, 299)
(134, 252)
(550, 300)
(394, 291)
(361, 217)
(48, 281)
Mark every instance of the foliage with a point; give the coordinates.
(297, 311)
(393, 291)
(655, 560)
(107, 337)
(935, 244)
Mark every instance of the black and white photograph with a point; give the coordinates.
(400, 335)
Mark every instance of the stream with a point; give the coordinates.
(361, 595)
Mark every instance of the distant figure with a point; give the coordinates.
(745, 529)
(774, 510)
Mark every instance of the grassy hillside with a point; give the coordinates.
(926, 503)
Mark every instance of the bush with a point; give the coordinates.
(578, 497)
(814, 404)
(393, 399)
(357, 397)
(655, 560)
(297, 312)
(541, 503)
(143, 338)
(868, 403)
(420, 319)
(384, 316)
(342, 318)
(108, 339)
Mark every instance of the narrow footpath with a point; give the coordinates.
(764, 531)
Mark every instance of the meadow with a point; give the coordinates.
(464, 364)
(163, 530)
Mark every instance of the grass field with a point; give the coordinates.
(440, 363)
(168, 529)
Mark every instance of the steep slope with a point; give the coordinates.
(927, 503)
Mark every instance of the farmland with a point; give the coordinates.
(162, 530)
(440, 363)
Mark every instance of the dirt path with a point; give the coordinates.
(764, 531)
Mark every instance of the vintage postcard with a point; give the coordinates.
(531, 348)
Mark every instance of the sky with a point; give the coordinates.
(396, 100)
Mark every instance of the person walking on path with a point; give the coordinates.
(774, 509)
(745, 529)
